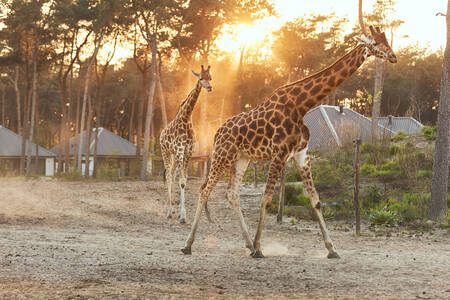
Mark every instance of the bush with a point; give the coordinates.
(383, 216)
(374, 196)
(421, 174)
(374, 153)
(328, 176)
(388, 170)
(429, 132)
(395, 149)
(72, 175)
(399, 136)
(413, 206)
(368, 169)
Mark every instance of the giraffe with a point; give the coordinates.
(274, 131)
(177, 141)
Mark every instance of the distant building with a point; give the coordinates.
(113, 152)
(335, 126)
(407, 124)
(11, 152)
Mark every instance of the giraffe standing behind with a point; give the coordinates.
(177, 141)
(274, 131)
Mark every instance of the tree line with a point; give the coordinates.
(59, 77)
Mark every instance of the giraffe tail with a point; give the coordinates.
(164, 176)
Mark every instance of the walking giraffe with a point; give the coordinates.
(274, 131)
(177, 141)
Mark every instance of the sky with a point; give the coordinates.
(421, 25)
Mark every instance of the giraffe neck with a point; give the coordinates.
(187, 106)
(309, 92)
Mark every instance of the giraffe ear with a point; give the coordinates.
(195, 73)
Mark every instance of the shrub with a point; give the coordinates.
(383, 216)
(421, 174)
(374, 195)
(395, 149)
(368, 169)
(374, 153)
(413, 206)
(388, 170)
(429, 132)
(72, 175)
(399, 136)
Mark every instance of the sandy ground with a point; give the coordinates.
(76, 240)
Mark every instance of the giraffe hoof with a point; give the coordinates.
(257, 254)
(186, 251)
(182, 221)
(333, 255)
(169, 216)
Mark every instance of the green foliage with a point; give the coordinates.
(374, 153)
(399, 136)
(295, 196)
(383, 216)
(368, 169)
(388, 170)
(412, 206)
(374, 196)
(72, 175)
(421, 174)
(395, 149)
(429, 132)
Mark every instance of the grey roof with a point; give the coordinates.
(407, 124)
(109, 144)
(11, 145)
(329, 128)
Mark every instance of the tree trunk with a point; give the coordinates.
(33, 103)
(131, 120)
(148, 119)
(88, 138)
(162, 99)
(378, 89)
(439, 184)
(18, 104)
(141, 115)
(3, 104)
(85, 95)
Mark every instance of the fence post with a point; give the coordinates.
(356, 187)
(282, 195)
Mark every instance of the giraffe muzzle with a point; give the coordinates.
(393, 59)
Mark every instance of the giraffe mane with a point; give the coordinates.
(319, 72)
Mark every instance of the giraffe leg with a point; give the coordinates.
(275, 167)
(304, 166)
(169, 165)
(205, 191)
(233, 194)
(182, 184)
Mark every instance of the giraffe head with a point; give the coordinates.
(378, 45)
(204, 77)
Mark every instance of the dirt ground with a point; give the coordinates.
(77, 240)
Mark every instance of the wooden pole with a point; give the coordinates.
(282, 195)
(356, 187)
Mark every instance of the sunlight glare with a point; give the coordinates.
(234, 38)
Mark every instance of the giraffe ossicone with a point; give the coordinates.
(274, 131)
(177, 141)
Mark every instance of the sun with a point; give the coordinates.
(234, 38)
